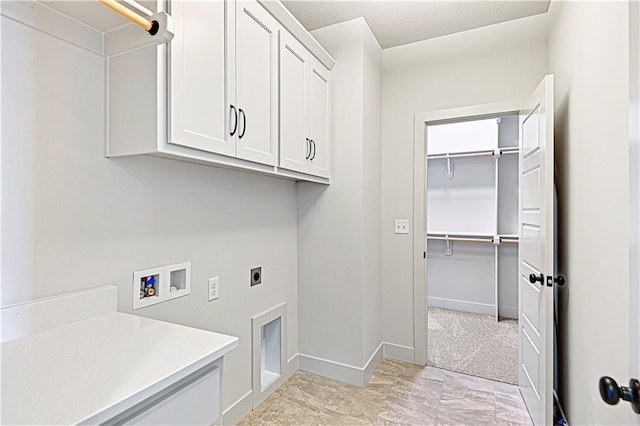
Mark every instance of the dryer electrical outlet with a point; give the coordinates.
(256, 276)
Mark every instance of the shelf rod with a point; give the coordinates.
(461, 155)
(503, 151)
(471, 240)
(150, 26)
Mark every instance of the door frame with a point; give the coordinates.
(420, 284)
(634, 195)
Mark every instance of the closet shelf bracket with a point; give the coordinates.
(448, 246)
(449, 172)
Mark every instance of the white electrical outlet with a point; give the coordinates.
(213, 288)
(402, 226)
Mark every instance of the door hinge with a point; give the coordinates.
(424, 254)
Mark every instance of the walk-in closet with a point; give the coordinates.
(472, 246)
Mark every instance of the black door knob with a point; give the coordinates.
(560, 280)
(611, 393)
(533, 278)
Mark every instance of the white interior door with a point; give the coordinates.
(536, 254)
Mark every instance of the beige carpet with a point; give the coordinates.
(473, 344)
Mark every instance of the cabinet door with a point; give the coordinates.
(256, 83)
(319, 118)
(197, 403)
(198, 76)
(295, 148)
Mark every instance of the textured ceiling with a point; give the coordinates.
(397, 22)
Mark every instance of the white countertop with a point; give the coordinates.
(91, 370)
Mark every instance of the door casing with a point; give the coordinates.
(419, 206)
(634, 198)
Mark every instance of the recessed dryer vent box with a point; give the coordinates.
(269, 349)
(148, 287)
(178, 280)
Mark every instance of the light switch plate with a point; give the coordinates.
(213, 288)
(402, 226)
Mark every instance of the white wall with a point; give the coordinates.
(339, 226)
(588, 54)
(79, 220)
(496, 63)
(372, 180)
(329, 249)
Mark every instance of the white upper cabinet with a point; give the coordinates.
(200, 70)
(212, 94)
(256, 83)
(304, 90)
(319, 118)
(295, 147)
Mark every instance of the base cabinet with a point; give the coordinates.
(195, 401)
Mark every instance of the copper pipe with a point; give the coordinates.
(128, 14)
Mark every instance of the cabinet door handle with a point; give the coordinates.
(235, 112)
(308, 149)
(313, 143)
(244, 123)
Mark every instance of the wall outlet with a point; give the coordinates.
(402, 226)
(213, 288)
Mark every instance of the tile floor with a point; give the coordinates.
(398, 393)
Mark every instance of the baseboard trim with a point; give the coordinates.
(399, 352)
(461, 305)
(476, 308)
(244, 405)
(358, 376)
(508, 312)
(238, 409)
(371, 364)
(330, 369)
(292, 365)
